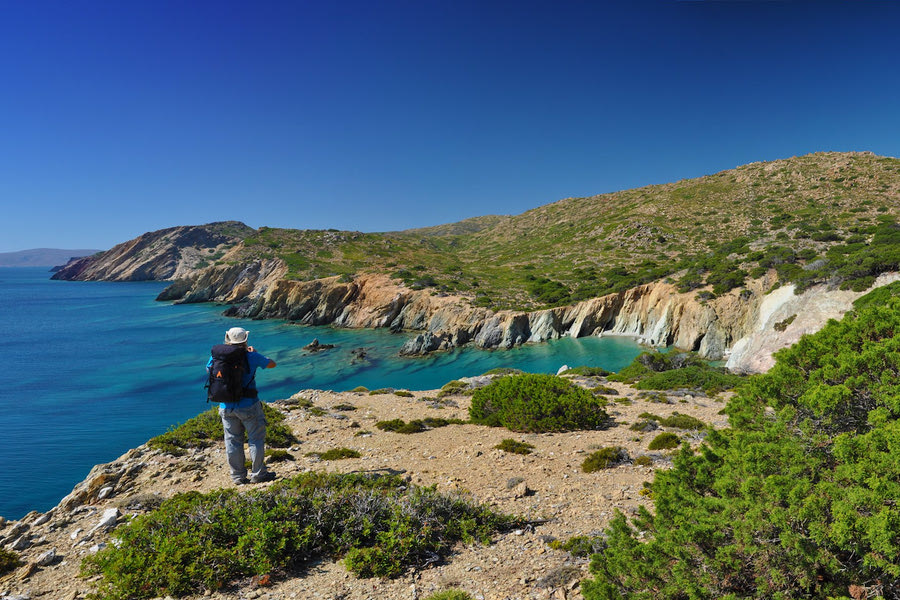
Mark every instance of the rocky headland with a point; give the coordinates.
(546, 486)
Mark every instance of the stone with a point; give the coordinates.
(47, 558)
(20, 543)
(521, 490)
(105, 492)
(41, 519)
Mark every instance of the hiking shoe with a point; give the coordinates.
(267, 476)
(241, 481)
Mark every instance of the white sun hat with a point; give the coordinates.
(236, 335)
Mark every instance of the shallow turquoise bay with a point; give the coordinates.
(96, 368)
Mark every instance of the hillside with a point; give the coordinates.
(688, 264)
(547, 484)
(807, 213)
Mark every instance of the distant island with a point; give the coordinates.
(41, 257)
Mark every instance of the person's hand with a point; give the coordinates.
(250, 349)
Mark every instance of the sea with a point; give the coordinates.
(93, 369)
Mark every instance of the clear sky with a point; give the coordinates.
(118, 118)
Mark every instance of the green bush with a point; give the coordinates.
(643, 461)
(514, 446)
(416, 425)
(581, 546)
(664, 441)
(449, 595)
(604, 458)
(403, 393)
(9, 560)
(673, 371)
(195, 543)
(797, 500)
(536, 403)
(336, 454)
(680, 421)
(278, 455)
(205, 429)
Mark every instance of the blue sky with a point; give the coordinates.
(118, 118)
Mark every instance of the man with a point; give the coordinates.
(245, 414)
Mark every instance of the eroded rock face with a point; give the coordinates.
(656, 314)
(783, 318)
(155, 256)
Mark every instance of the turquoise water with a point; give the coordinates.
(95, 368)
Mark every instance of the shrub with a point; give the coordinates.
(643, 461)
(9, 560)
(453, 594)
(664, 441)
(195, 543)
(336, 454)
(796, 500)
(416, 425)
(514, 446)
(604, 458)
(403, 393)
(360, 389)
(680, 421)
(344, 407)
(657, 371)
(536, 403)
(782, 325)
(278, 455)
(205, 429)
(581, 546)
(381, 391)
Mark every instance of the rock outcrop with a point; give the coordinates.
(739, 325)
(158, 255)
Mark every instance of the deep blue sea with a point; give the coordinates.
(94, 368)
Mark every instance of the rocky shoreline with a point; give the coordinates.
(547, 486)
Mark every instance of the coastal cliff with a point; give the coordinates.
(742, 326)
(158, 255)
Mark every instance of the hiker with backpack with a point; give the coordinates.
(232, 383)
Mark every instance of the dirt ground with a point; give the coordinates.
(546, 486)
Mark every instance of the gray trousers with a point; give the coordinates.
(235, 422)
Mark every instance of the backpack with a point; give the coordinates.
(226, 374)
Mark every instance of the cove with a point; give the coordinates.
(95, 368)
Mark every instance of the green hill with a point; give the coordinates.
(816, 218)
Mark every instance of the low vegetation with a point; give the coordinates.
(604, 458)
(676, 420)
(515, 446)
(822, 218)
(336, 454)
(416, 425)
(676, 371)
(664, 441)
(196, 543)
(536, 403)
(9, 560)
(205, 429)
(797, 500)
